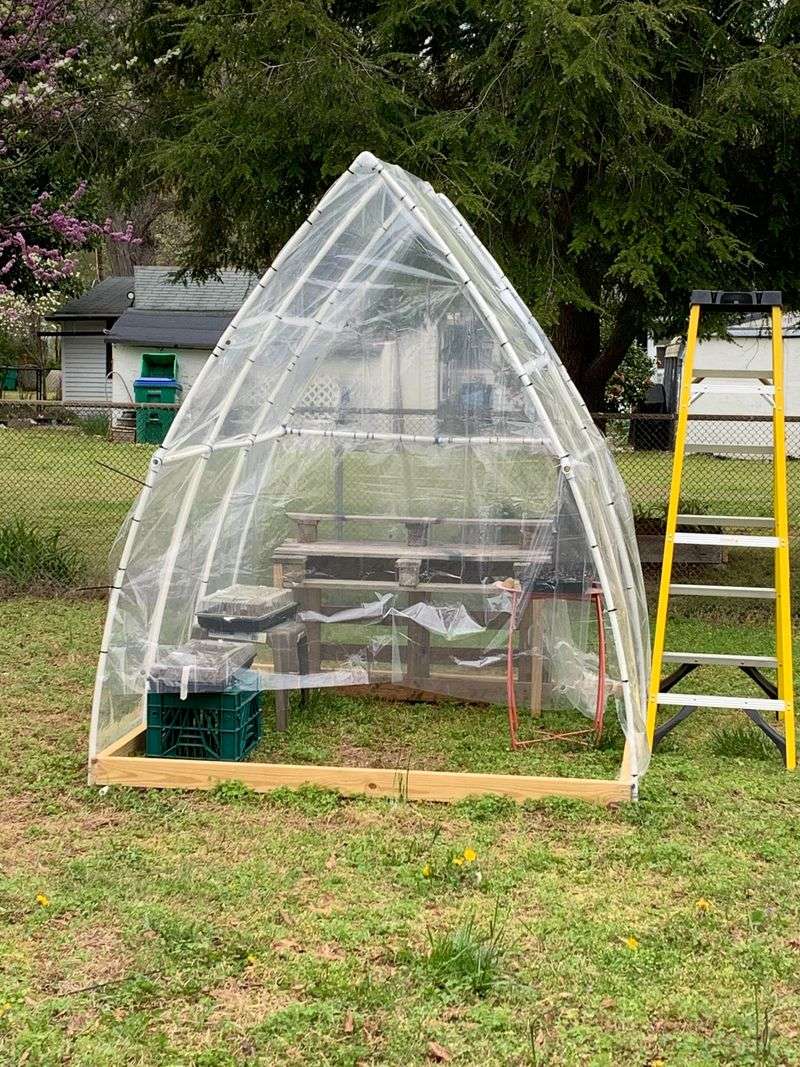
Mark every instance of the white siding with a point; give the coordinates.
(720, 397)
(83, 361)
(128, 366)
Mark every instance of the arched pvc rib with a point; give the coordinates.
(136, 518)
(346, 277)
(245, 443)
(225, 340)
(565, 459)
(197, 476)
(535, 332)
(191, 491)
(257, 436)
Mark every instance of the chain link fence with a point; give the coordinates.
(78, 469)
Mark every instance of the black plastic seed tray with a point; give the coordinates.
(200, 666)
(245, 609)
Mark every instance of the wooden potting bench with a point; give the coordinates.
(320, 569)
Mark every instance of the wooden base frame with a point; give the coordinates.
(123, 764)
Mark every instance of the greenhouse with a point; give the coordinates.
(384, 478)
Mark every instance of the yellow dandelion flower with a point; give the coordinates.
(470, 855)
(42, 900)
(426, 871)
(252, 959)
(658, 1063)
(631, 943)
(702, 904)
(458, 861)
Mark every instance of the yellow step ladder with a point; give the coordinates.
(779, 698)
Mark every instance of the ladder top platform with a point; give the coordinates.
(725, 300)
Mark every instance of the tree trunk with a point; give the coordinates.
(576, 339)
(590, 362)
(121, 256)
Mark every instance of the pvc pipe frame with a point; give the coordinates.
(357, 435)
(348, 274)
(191, 490)
(155, 464)
(203, 452)
(565, 459)
(536, 334)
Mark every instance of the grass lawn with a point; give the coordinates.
(84, 485)
(156, 928)
(76, 482)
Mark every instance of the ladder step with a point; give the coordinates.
(745, 592)
(700, 700)
(729, 372)
(717, 386)
(726, 449)
(715, 659)
(740, 522)
(729, 540)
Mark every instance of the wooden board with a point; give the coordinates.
(445, 786)
(387, 550)
(444, 687)
(128, 744)
(327, 516)
(435, 689)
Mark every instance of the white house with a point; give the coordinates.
(105, 332)
(86, 352)
(748, 346)
(185, 318)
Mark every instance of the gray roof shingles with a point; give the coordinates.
(156, 292)
(105, 300)
(165, 313)
(170, 329)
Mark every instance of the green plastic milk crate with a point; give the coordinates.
(212, 726)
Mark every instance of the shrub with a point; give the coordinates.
(29, 558)
(95, 425)
(628, 384)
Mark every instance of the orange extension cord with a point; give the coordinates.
(513, 716)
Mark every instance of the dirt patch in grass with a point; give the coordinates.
(88, 959)
(391, 757)
(99, 957)
(246, 1001)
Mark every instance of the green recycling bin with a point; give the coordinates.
(152, 423)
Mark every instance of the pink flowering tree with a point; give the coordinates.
(61, 95)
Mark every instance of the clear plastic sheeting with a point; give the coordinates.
(384, 473)
(200, 666)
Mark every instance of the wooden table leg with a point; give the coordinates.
(418, 651)
(311, 600)
(531, 640)
(289, 656)
(418, 647)
(292, 573)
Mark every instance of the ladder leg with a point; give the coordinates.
(671, 723)
(672, 520)
(775, 737)
(783, 619)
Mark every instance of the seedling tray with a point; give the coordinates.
(200, 666)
